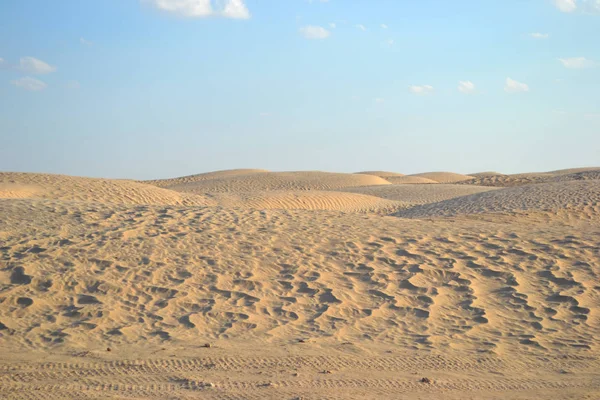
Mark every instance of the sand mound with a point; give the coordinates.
(533, 178)
(17, 191)
(578, 176)
(486, 173)
(443, 177)
(268, 181)
(408, 180)
(203, 177)
(569, 171)
(70, 188)
(570, 196)
(420, 194)
(307, 200)
(381, 174)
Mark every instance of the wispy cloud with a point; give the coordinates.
(466, 87)
(537, 35)
(384, 26)
(314, 32)
(30, 84)
(85, 42)
(566, 6)
(379, 100)
(421, 90)
(577, 63)
(235, 9)
(361, 27)
(32, 65)
(332, 25)
(512, 86)
(390, 42)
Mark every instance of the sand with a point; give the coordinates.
(443, 177)
(381, 174)
(408, 180)
(309, 285)
(420, 193)
(534, 177)
(268, 181)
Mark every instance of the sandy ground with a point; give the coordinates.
(251, 284)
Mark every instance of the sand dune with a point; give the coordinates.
(70, 188)
(570, 195)
(408, 180)
(294, 297)
(485, 173)
(203, 177)
(536, 177)
(443, 177)
(381, 174)
(308, 200)
(420, 193)
(569, 171)
(267, 181)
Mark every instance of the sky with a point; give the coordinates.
(147, 89)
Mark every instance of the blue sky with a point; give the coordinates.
(159, 88)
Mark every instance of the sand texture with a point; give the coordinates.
(443, 177)
(381, 174)
(408, 180)
(420, 193)
(266, 181)
(534, 177)
(250, 284)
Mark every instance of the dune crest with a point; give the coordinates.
(443, 177)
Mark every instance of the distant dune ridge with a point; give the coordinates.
(381, 174)
(444, 177)
(567, 195)
(420, 193)
(273, 285)
(266, 181)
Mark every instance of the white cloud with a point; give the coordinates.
(421, 90)
(466, 87)
(32, 65)
(186, 8)
(235, 9)
(577, 62)
(30, 84)
(361, 27)
(203, 8)
(355, 97)
(537, 35)
(384, 26)
(314, 32)
(390, 42)
(265, 114)
(85, 42)
(332, 25)
(379, 100)
(513, 86)
(566, 6)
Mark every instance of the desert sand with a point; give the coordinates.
(252, 284)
